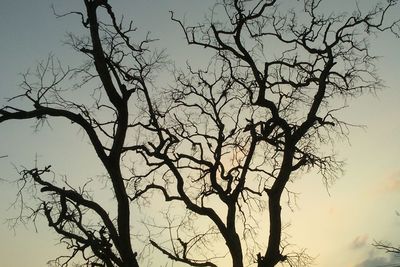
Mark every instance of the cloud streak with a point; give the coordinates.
(392, 183)
(359, 242)
(387, 184)
(372, 261)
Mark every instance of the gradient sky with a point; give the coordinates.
(336, 226)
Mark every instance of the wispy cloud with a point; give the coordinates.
(391, 183)
(359, 242)
(388, 184)
(380, 262)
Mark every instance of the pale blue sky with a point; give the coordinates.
(338, 226)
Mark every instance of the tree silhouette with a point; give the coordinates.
(222, 143)
(386, 246)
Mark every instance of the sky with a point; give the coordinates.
(337, 225)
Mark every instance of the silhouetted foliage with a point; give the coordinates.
(221, 143)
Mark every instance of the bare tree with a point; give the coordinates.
(222, 144)
(240, 130)
(105, 120)
(387, 247)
